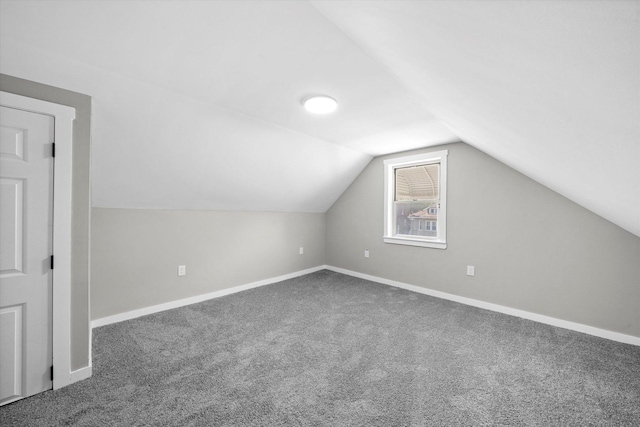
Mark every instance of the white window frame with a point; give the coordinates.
(390, 165)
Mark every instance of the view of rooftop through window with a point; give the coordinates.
(417, 199)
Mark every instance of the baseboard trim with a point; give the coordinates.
(120, 317)
(578, 327)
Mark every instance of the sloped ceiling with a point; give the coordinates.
(197, 104)
(552, 89)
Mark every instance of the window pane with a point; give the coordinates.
(418, 182)
(416, 196)
(410, 218)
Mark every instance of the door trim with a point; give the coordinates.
(62, 180)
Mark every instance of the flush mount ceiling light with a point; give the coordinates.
(320, 104)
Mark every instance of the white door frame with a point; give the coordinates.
(63, 137)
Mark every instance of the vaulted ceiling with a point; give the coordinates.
(197, 103)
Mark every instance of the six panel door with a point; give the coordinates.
(26, 224)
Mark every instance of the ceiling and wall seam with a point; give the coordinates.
(61, 71)
(480, 61)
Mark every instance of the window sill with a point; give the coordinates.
(396, 240)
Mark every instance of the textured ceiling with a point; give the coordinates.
(185, 92)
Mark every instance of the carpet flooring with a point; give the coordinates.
(327, 349)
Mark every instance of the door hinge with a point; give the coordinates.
(52, 262)
(51, 372)
(53, 149)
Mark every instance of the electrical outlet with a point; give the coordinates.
(471, 270)
(182, 270)
(366, 253)
(301, 250)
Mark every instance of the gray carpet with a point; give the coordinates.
(329, 349)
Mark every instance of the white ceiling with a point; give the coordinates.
(259, 58)
(551, 88)
(184, 92)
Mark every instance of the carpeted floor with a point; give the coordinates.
(329, 349)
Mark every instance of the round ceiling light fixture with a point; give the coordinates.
(320, 104)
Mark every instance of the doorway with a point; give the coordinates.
(35, 236)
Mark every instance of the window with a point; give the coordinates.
(415, 200)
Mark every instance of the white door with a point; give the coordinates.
(26, 241)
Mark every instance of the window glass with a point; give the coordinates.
(416, 199)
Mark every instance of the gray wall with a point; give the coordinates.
(135, 253)
(533, 249)
(80, 205)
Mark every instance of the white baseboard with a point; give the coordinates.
(590, 330)
(192, 300)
